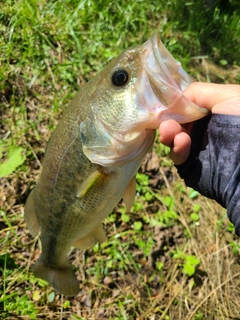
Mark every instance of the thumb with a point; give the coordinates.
(217, 98)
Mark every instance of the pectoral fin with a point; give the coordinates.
(129, 194)
(30, 215)
(95, 236)
(89, 183)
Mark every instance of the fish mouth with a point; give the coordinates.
(167, 81)
(171, 68)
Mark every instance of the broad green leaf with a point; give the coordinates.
(193, 194)
(66, 304)
(155, 222)
(188, 269)
(137, 225)
(194, 216)
(125, 218)
(159, 265)
(192, 260)
(196, 207)
(51, 297)
(36, 295)
(14, 159)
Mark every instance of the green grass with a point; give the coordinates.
(175, 256)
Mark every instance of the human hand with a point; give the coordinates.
(217, 98)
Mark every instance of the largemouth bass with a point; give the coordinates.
(94, 154)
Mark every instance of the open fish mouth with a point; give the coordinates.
(164, 71)
(170, 69)
(167, 80)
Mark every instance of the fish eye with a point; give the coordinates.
(120, 78)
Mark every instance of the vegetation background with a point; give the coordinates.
(175, 256)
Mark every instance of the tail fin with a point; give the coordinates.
(62, 279)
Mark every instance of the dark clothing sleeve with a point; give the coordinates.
(213, 166)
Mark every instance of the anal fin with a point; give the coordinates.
(96, 235)
(129, 194)
(30, 215)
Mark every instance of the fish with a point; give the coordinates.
(93, 155)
